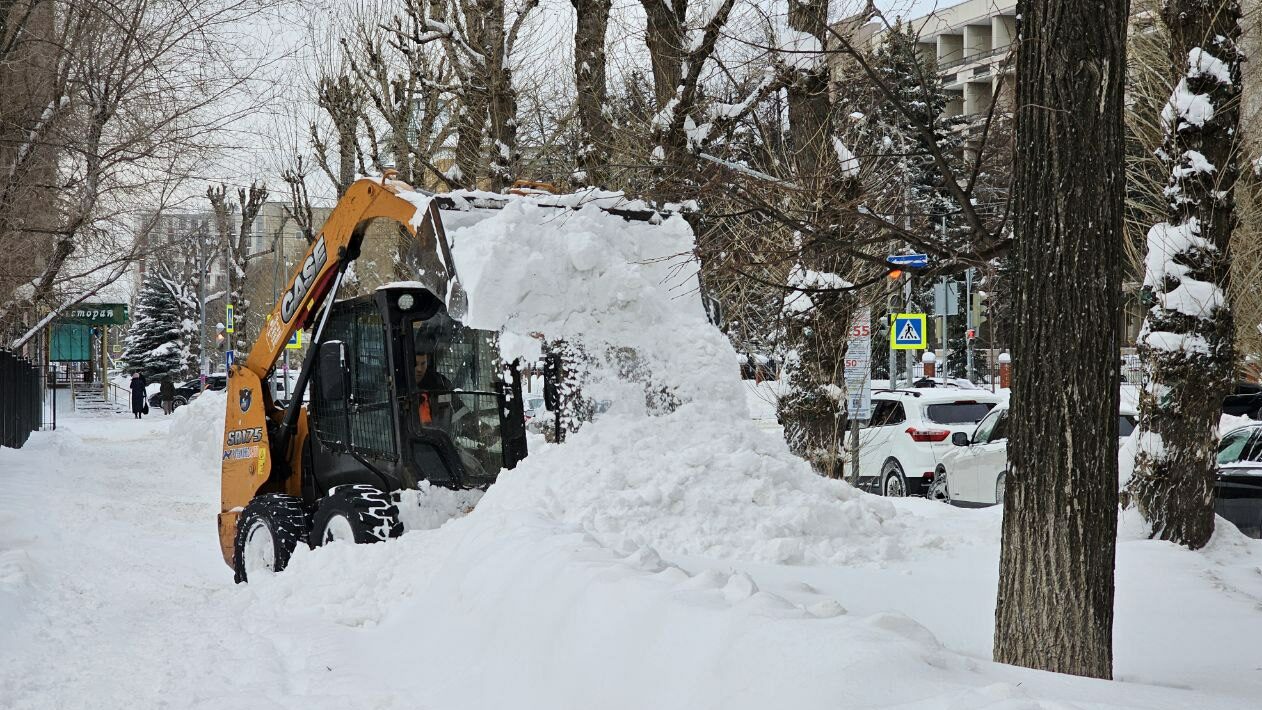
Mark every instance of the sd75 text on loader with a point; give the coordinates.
(399, 393)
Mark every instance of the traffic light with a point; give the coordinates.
(895, 274)
(979, 305)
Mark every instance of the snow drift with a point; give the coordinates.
(695, 476)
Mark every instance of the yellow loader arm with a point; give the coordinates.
(249, 466)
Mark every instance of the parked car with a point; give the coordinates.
(1245, 400)
(1238, 492)
(533, 407)
(971, 474)
(901, 444)
(282, 387)
(186, 392)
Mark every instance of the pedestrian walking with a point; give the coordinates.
(167, 394)
(137, 395)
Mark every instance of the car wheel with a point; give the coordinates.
(999, 488)
(939, 489)
(893, 482)
(179, 401)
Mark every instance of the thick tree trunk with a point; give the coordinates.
(664, 37)
(501, 95)
(470, 130)
(1187, 340)
(810, 108)
(589, 80)
(341, 100)
(1055, 604)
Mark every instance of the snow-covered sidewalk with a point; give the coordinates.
(113, 594)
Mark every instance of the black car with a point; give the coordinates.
(1238, 492)
(185, 392)
(1245, 400)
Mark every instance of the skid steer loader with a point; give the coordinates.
(399, 392)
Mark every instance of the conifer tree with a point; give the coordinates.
(891, 134)
(156, 344)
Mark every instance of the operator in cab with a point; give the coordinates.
(428, 381)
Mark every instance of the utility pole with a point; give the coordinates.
(910, 354)
(201, 301)
(942, 363)
(968, 323)
(889, 319)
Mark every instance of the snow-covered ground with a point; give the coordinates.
(113, 595)
(671, 554)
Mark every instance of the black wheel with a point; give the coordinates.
(179, 401)
(999, 487)
(939, 489)
(893, 482)
(268, 531)
(356, 513)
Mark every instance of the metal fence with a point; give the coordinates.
(21, 400)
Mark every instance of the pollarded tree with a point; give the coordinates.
(1186, 343)
(156, 344)
(235, 231)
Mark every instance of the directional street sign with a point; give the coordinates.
(916, 261)
(228, 320)
(908, 332)
(228, 358)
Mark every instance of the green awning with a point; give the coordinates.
(71, 342)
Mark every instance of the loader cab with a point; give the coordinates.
(374, 422)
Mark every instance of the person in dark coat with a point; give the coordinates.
(137, 395)
(167, 394)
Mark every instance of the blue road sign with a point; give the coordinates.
(916, 261)
(228, 358)
(908, 332)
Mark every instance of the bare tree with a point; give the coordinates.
(478, 39)
(235, 233)
(131, 96)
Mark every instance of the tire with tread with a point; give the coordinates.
(893, 482)
(282, 518)
(370, 514)
(939, 489)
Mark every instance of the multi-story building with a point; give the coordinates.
(970, 44)
(184, 242)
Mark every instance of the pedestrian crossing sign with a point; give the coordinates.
(908, 331)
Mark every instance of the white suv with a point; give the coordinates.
(910, 430)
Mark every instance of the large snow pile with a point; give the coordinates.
(609, 285)
(197, 427)
(696, 478)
